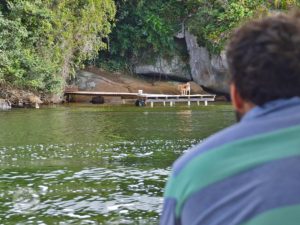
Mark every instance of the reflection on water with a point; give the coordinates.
(94, 165)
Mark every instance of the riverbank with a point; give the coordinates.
(15, 97)
(94, 79)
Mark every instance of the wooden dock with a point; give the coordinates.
(96, 93)
(149, 98)
(173, 99)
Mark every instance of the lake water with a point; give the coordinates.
(89, 164)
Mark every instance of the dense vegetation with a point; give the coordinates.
(142, 25)
(213, 21)
(43, 42)
(149, 26)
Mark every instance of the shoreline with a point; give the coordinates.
(94, 79)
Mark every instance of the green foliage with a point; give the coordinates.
(212, 21)
(44, 41)
(285, 4)
(143, 27)
(146, 28)
(113, 65)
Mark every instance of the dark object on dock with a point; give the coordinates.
(140, 102)
(97, 100)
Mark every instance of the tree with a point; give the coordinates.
(212, 21)
(142, 27)
(51, 39)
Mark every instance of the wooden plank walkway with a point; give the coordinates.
(96, 93)
(149, 98)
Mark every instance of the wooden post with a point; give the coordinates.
(123, 101)
(205, 103)
(164, 103)
(171, 103)
(189, 103)
(152, 104)
(198, 103)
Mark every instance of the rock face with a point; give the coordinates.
(116, 82)
(174, 68)
(88, 81)
(208, 71)
(4, 104)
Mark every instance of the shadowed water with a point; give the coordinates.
(95, 164)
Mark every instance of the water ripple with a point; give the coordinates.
(86, 183)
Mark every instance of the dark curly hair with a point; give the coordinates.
(264, 58)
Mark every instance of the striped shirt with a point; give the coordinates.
(247, 174)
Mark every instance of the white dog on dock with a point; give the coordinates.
(185, 89)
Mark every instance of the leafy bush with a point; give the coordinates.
(143, 27)
(44, 41)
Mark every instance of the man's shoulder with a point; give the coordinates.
(236, 132)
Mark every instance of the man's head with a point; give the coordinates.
(264, 61)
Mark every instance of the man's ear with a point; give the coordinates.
(237, 101)
(240, 105)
